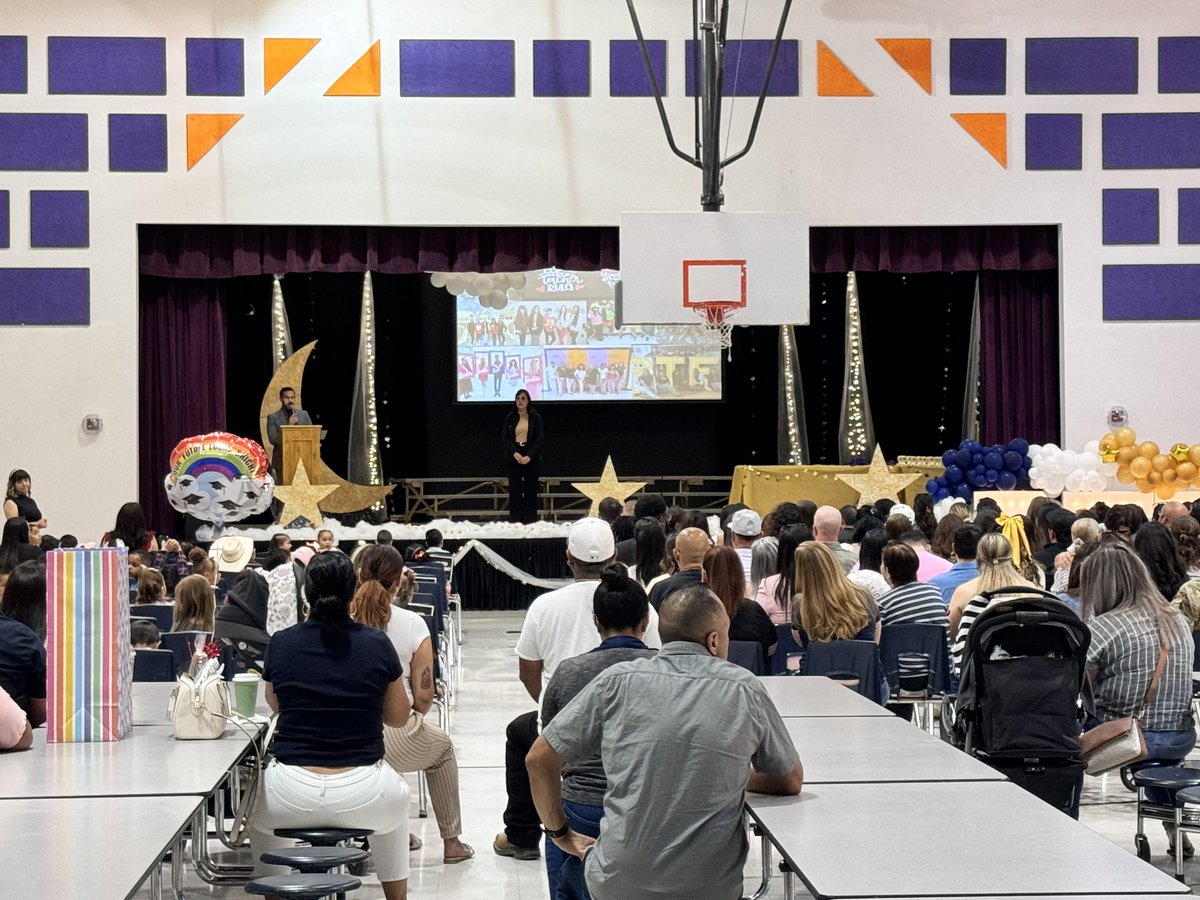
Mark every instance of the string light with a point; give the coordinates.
(280, 339)
(787, 351)
(374, 472)
(856, 416)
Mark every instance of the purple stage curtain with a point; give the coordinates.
(181, 378)
(1018, 359)
(967, 248)
(227, 251)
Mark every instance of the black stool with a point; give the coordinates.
(302, 886)
(315, 859)
(323, 837)
(1186, 821)
(1171, 778)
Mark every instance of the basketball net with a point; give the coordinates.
(716, 318)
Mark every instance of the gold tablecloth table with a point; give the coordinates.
(762, 488)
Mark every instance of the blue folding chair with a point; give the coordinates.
(853, 663)
(787, 644)
(153, 665)
(748, 655)
(163, 614)
(183, 644)
(899, 647)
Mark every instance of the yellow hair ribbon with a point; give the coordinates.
(1013, 529)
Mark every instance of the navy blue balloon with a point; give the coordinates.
(963, 458)
(977, 478)
(1019, 445)
(1026, 464)
(949, 457)
(991, 475)
(993, 460)
(976, 458)
(954, 475)
(942, 494)
(965, 445)
(963, 491)
(931, 486)
(1007, 481)
(1013, 461)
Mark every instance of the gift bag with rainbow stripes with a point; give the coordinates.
(89, 662)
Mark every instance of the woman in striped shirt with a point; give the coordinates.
(996, 570)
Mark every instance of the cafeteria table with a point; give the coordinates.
(151, 698)
(967, 839)
(815, 695)
(102, 848)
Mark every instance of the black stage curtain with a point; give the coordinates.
(482, 586)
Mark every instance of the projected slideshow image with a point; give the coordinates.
(557, 337)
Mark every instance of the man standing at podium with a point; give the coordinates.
(287, 414)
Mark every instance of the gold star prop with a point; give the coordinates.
(878, 483)
(301, 498)
(607, 486)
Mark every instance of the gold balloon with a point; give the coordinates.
(1187, 471)
(1142, 485)
(1140, 467)
(1109, 442)
(1169, 476)
(1125, 476)
(1179, 451)
(1194, 454)
(1126, 455)
(1148, 449)
(1154, 478)
(1161, 462)
(1165, 491)
(1126, 437)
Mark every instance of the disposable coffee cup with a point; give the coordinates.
(245, 693)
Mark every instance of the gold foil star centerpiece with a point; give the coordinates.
(878, 483)
(301, 499)
(607, 486)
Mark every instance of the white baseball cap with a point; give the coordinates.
(746, 522)
(903, 509)
(590, 540)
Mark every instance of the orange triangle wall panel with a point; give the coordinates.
(361, 79)
(989, 129)
(914, 56)
(281, 55)
(204, 131)
(834, 78)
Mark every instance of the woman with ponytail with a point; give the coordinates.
(335, 684)
(417, 746)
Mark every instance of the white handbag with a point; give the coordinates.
(199, 706)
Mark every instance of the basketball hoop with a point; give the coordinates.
(716, 318)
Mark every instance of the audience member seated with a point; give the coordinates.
(19, 502)
(15, 730)
(325, 541)
(418, 746)
(335, 684)
(996, 570)
(924, 518)
(783, 516)
(690, 546)
(434, 549)
(151, 586)
(130, 530)
(47, 543)
(966, 543)
(764, 562)
(650, 542)
(870, 558)
(23, 668)
(144, 635)
(1171, 512)
(1186, 532)
(745, 527)
(827, 525)
(68, 542)
(1084, 532)
(680, 833)
(1059, 523)
(775, 594)
(897, 526)
(622, 612)
(1070, 590)
(909, 602)
(14, 544)
(849, 517)
(195, 605)
(1123, 520)
(25, 597)
(829, 606)
(747, 621)
(930, 563)
(284, 580)
(281, 541)
(1131, 627)
(941, 542)
(1156, 548)
(651, 506)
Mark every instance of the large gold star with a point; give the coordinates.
(878, 483)
(607, 486)
(301, 499)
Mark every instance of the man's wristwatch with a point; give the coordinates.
(558, 832)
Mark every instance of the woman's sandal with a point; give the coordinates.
(451, 860)
(414, 842)
(1188, 851)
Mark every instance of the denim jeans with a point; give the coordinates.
(565, 872)
(1170, 747)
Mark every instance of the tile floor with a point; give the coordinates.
(490, 696)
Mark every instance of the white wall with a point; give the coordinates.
(299, 157)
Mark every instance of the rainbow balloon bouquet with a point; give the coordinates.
(89, 662)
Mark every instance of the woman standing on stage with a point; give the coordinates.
(523, 453)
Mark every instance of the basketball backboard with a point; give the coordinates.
(673, 264)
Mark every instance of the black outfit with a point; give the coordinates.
(627, 552)
(523, 481)
(522, 824)
(28, 552)
(753, 624)
(1046, 556)
(668, 586)
(27, 509)
(331, 707)
(22, 662)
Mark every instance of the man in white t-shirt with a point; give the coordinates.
(558, 625)
(745, 527)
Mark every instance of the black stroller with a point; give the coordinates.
(1024, 694)
(241, 623)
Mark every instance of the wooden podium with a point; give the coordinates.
(300, 442)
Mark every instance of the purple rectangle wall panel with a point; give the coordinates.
(1179, 65)
(216, 67)
(1053, 142)
(1130, 216)
(452, 68)
(137, 142)
(1151, 140)
(14, 64)
(1189, 215)
(43, 142)
(44, 297)
(108, 65)
(58, 219)
(1081, 65)
(4, 226)
(627, 71)
(746, 68)
(1151, 293)
(978, 66)
(562, 68)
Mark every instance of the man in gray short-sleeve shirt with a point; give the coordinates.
(678, 735)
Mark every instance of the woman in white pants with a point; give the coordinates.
(418, 746)
(335, 684)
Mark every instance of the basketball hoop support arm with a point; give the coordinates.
(709, 24)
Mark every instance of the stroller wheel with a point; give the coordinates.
(1127, 779)
(1143, 847)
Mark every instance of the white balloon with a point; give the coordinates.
(497, 298)
(518, 280)
(483, 285)
(1108, 470)
(456, 284)
(1091, 447)
(438, 279)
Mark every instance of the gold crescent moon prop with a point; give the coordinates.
(348, 497)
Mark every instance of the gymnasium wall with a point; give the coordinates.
(119, 112)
